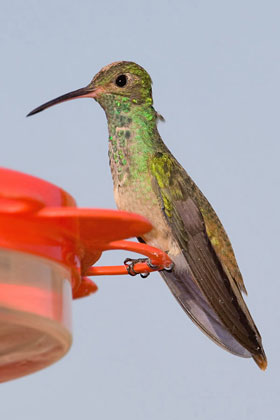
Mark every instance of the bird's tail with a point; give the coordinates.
(196, 305)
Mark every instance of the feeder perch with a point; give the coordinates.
(48, 248)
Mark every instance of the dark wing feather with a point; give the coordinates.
(190, 297)
(204, 267)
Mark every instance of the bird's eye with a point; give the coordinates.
(121, 80)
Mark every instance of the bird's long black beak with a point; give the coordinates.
(86, 92)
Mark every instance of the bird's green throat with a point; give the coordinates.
(133, 137)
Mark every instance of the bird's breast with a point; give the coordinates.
(141, 199)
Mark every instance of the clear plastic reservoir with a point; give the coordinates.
(35, 313)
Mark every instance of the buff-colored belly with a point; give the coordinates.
(149, 207)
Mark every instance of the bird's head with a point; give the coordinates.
(120, 79)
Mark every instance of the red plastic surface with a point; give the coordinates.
(38, 217)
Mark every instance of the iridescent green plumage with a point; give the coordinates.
(148, 180)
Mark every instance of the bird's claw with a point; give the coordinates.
(130, 263)
(149, 264)
(169, 268)
(144, 275)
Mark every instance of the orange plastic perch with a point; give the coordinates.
(48, 248)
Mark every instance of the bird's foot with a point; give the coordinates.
(168, 268)
(130, 263)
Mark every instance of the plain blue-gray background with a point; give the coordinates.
(215, 66)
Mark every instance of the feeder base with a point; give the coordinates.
(29, 343)
(35, 313)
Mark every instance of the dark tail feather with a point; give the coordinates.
(195, 304)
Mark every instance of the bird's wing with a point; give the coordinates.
(194, 303)
(204, 267)
(221, 244)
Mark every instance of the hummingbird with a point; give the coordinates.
(148, 180)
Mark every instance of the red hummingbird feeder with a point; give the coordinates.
(48, 248)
